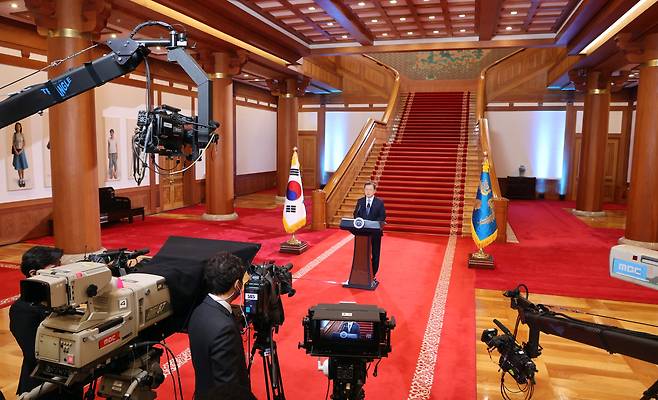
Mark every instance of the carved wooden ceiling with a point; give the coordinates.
(330, 21)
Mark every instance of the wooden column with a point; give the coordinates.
(70, 26)
(220, 170)
(287, 133)
(322, 116)
(589, 198)
(567, 156)
(624, 153)
(642, 213)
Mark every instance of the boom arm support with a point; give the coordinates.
(126, 56)
(640, 345)
(73, 82)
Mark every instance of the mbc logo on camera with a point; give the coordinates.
(630, 269)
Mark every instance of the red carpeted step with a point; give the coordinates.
(433, 230)
(429, 192)
(410, 179)
(414, 202)
(437, 214)
(419, 195)
(406, 206)
(424, 174)
(439, 162)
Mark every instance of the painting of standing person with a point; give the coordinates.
(18, 151)
(112, 155)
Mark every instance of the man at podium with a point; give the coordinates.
(372, 208)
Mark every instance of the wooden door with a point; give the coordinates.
(308, 158)
(610, 169)
(171, 185)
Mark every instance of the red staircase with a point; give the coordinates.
(422, 170)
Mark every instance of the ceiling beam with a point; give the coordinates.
(308, 20)
(489, 14)
(434, 46)
(344, 16)
(531, 14)
(445, 11)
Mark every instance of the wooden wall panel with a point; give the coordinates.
(252, 183)
(308, 158)
(452, 85)
(24, 220)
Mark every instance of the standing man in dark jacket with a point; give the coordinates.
(220, 370)
(372, 208)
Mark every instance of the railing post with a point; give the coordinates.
(319, 216)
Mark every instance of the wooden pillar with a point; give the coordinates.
(70, 27)
(589, 198)
(624, 153)
(220, 170)
(642, 213)
(287, 133)
(322, 116)
(567, 156)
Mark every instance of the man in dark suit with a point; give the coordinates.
(25, 318)
(372, 208)
(218, 357)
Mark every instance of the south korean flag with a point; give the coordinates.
(294, 211)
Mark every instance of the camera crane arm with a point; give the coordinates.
(127, 54)
(539, 318)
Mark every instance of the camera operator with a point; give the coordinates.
(24, 319)
(220, 369)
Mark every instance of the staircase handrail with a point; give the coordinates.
(482, 87)
(485, 144)
(355, 157)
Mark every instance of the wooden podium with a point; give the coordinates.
(361, 276)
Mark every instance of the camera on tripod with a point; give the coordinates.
(264, 310)
(351, 335)
(262, 294)
(513, 359)
(117, 260)
(166, 132)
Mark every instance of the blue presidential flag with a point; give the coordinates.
(483, 222)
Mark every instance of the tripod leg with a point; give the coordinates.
(277, 380)
(266, 373)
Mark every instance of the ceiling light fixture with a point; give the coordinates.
(158, 48)
(639, 7)
(362, 4)
(14, 5)
(246, 75)
(196, 24)
(432, 17)
(462, 30)
(509, 28)
(114, 36)
(311, 8)
(403, 19)
(436, 31)
(384, 34)
(462, 15)
(374, 20)
(513, 12)
(344, 36)
(330, 24)
(393, 1)
(410, 33)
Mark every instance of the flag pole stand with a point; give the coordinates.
(293, 246)
(480, 260)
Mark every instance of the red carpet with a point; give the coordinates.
(414, 256)
(558, 254)
(420, 168)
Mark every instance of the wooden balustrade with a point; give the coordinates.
(341, 181)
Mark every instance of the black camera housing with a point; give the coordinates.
(513, 359)
(262, 294)
(166, 132)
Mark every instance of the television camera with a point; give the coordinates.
(263, 309)
(94, 318)
(517, 359)
(111, 325)
(162, 130)
(351, 336)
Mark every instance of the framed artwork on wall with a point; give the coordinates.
(17, 165)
